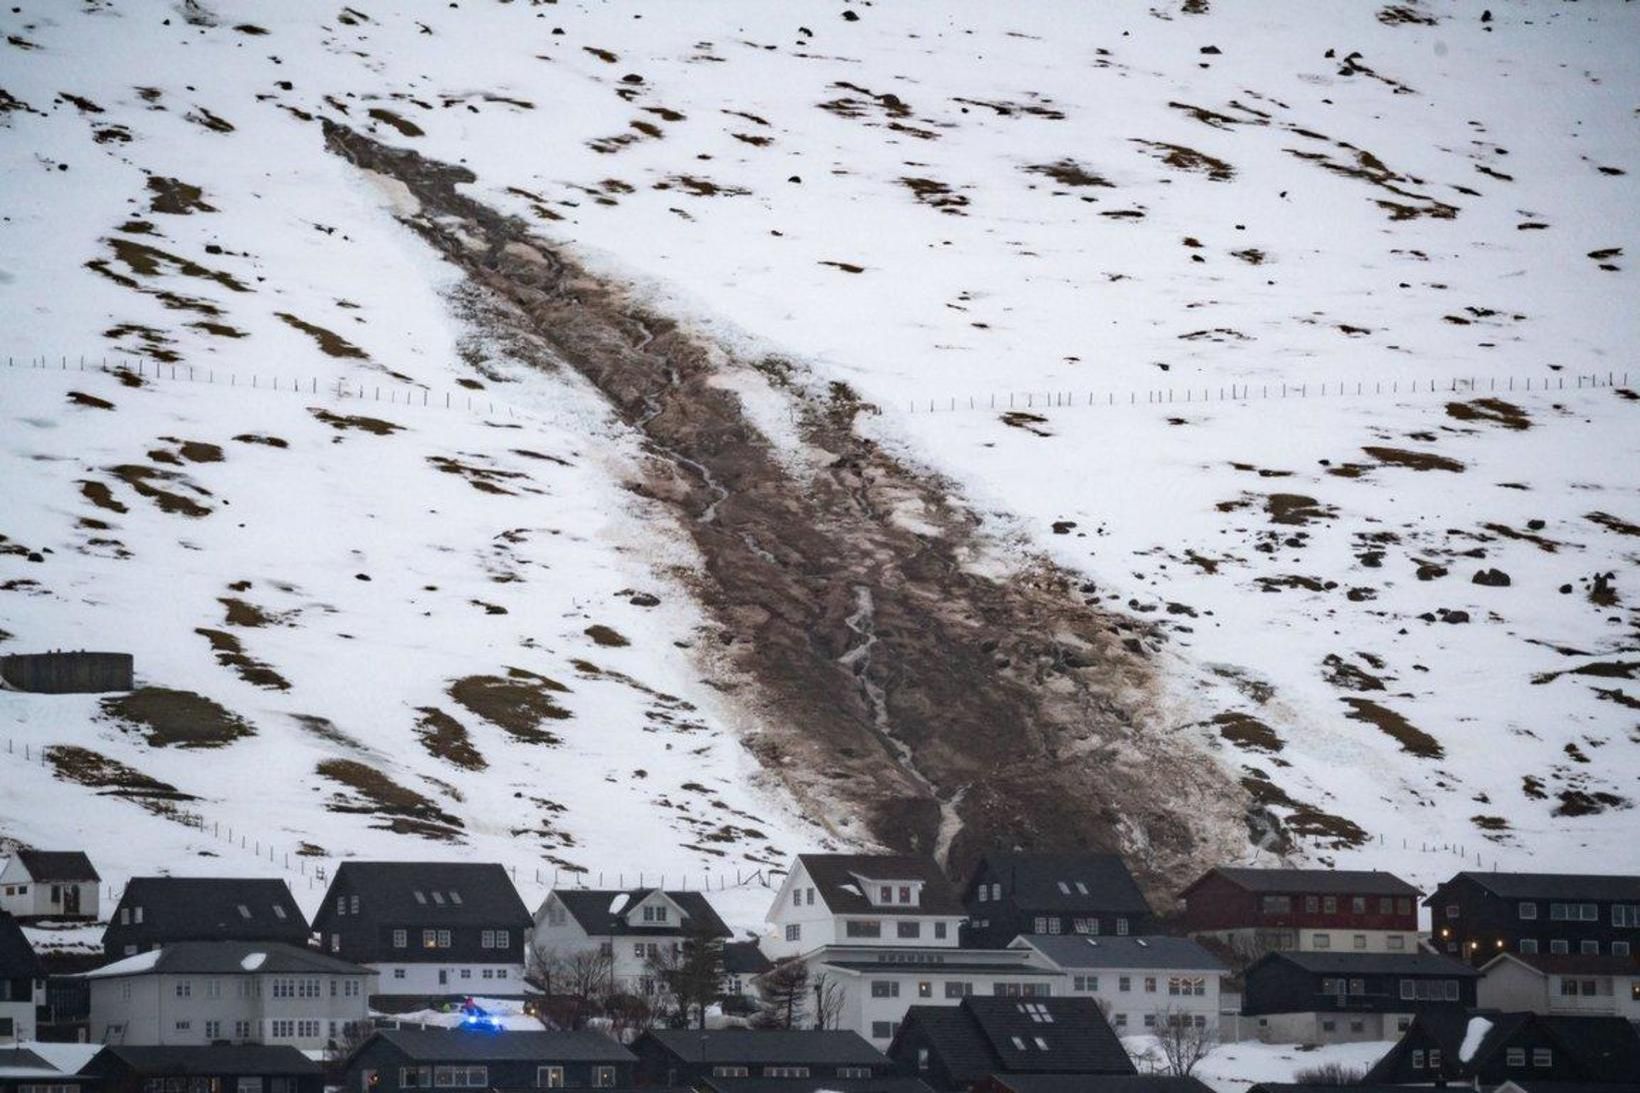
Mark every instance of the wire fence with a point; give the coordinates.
(1017, 401)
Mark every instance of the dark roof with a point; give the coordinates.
(886, 1084)
(470, 1045)
(1330, 963)
(59, 865)
(981, 1036)
(229, 958)
(401, 892)
(19, 1058)
(835, 875)
(1161, 953)
(775, 1047)
(1106, 1083)
(1349, 882)
(1573, 963)
(1049, 882)
(591, 908)
(209, 907)
(898, 967)
(1300, 1087)
(744, 958)
(214, 1059)
(1529, 1085)
(17, 959)
(1555, 886)
(1607, 1047)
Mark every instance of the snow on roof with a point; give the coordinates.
(850, 888)
(67, 1058)
(618, 904)
(1472, 1037)
(142, 962)
(253, 961)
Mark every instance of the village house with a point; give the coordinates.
(687, 1057)
(1255, 911)
(879, 934)
(25, 1071)
(1547, 983)
(22, 984)
(50, 884)
(1329, 998)
(1475, 916)
(240, 1068)
(743, 963)
(1102, 1083)
(206, 992)
(1141, 982)
(403, 1060)
(633, 928)
(957, 1047)
(432, 929)
(1010, 894)
(155, 911)
(1485, 1048)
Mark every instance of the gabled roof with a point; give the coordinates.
(211, 1060)
(57, 865)
(744, 958)
(228, 958)
(17, 959)
(1347, 882)
(436, 893)
(1352, 963)
(775, 1047)
(436, 1045)
(210, 907)
(1570, 963)
(1108, 1083)
(1147, 953)
(602, 913)
(1606, 1048)
(1067, 883)
(1554, 886)
(18, 1062)
(982, 1036)
(836, 878)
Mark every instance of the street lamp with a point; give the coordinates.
(819, 1012)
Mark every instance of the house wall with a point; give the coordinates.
(1278, 986)
(149, 1009)
(1147, 994)
(877, 1019)
(22, 897)
(449, 977)
(1470, 923)
(385, 1061)
(1005, 919)
(68, 673)
(817, 926)
(1328, 1028)
(628, 967)
(916, 1056)
(20, 1014)
(1255, 940)
(1216, 904)
(1513, 989)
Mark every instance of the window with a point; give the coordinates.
(1329, 1026)
(908, 929)
(1559, 946)
(398, 973)
(185, 988)
(810, 891)
(461, 1077)
(1589, 948)
(1086, 982)
(1150, 1020)
(341, 905)
(1321, 941)
(399, 939)
(244, 912)
(1403, 905)
(549, 1077)
(1417, 1060)
(1312, 904)
(864, 927)
(1452, 910)
(1041, 925)
(1386, 905)
(996, 891)
(1528, 945)
(1620, 948)
(421, 897)
(1124, 983)
(1150, 984)
(732, 1071)
(1395, 942)
(884, 1030)
(794, 932)
(1528, 910)
(556, 915)
(1626, 914)
(925, 989)
(249, 1085)
(854, 1072)
(958, 989)
(939, 931)
(905, 897)
(1330, 905)
(184, 1026)
(885, 894)
(922, 1058)
(1277, 905)
(1054, 925)
(785, 1072)
(1358, 1026)
(1121, 1020)
(985, 893)
(1515, 1056)
(1358, 905)
(1085, 925)
(1434, 1058)
(885, 988)
(1122, 926)
(1543, 1057)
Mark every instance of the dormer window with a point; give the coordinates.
(244, 912)
(421, 897)
(1064, 888)
(984, 893)
(279, 912)
(455, 897)
(885, 894)
(438, 898)
(1082, 888)
(655, 913)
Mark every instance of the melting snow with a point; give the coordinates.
(1472, 1037)
(253, 961)
(618, 904)
(142, 962)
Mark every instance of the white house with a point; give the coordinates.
(879, 934)
(633, 927)
(49, 884)
(200, 992)
(1561, 984)
(22, 984)
(1138, 981)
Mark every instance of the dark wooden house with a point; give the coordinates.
(1339, 997)
(691, 1056)
(220, 1068)
(398, 1060)
(959, 1047)
(1010, 894)
(1475, 916)
(1256, 911)
(1488, 1047)
(155, 911)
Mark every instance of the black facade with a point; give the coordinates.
(1013, 894)
(155, 911)
(20, 969)
(240, 1068)
(396, 1060)
(1476, 916)
(423, 912)
(690, 1056)
(1357, 983)
(1518, 1047)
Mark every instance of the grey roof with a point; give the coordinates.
(1604, 1048)
(1035, 882)
(977, 967)
(211, 1060)
(744, 958)
(1572, 963)
(402, 892)
(229, 958)
(834, 876)
(1106, 1083)
(17, 959)
(470, 1045)
(58, 865)
(1160, 953)
(1330, 963)
(982, 1036)
(886, 1084)
(590, 908)
(1300, 1087)
(197, 908)
(1555, 886)
(773, 1047)
(1350, 882)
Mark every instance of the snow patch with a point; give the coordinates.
(1472, 1037)
(253, 961)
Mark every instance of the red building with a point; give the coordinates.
(1307, 910)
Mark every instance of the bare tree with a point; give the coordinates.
(828, 1002)
(576, 984)
(1184, 1040)
(341, 1046)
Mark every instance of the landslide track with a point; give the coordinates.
(950, 711)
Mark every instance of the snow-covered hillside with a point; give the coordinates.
(1064, 260)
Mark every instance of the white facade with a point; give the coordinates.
(1134, 999)
(430, 979)
(1328, 1028)
(1257, 939)
(800, 922)
(663, 921)
(1513, 986)
(23, 897)
(17, 1014)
